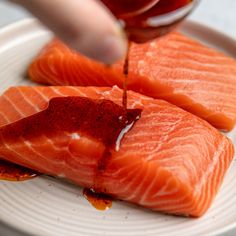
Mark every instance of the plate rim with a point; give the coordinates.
(9, 29)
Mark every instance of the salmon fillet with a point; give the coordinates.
(174, 68)
(170, 161)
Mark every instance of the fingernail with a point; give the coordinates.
(112, 49)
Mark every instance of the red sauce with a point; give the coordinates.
(13, 172)
(101, 119)
(148, 24)
(98, 200)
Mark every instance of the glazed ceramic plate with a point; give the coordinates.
(49, 207)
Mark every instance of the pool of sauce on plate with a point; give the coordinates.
(98, 200)
(13, 172)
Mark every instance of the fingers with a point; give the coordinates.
(87, 26)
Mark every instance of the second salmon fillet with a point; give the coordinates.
(174, 68)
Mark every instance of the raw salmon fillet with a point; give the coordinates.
(170, 161)
(174, 68)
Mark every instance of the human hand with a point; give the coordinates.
(86, 26)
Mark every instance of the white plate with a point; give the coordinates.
(49, 207)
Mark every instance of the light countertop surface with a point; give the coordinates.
(218, 14)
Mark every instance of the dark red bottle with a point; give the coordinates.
(144, 20)
(128, 8)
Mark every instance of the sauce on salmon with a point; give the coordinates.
(13, 172)
(100, 119)
(97, 118)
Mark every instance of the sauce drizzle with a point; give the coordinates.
(126, 74)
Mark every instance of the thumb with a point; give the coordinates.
(86, 26)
